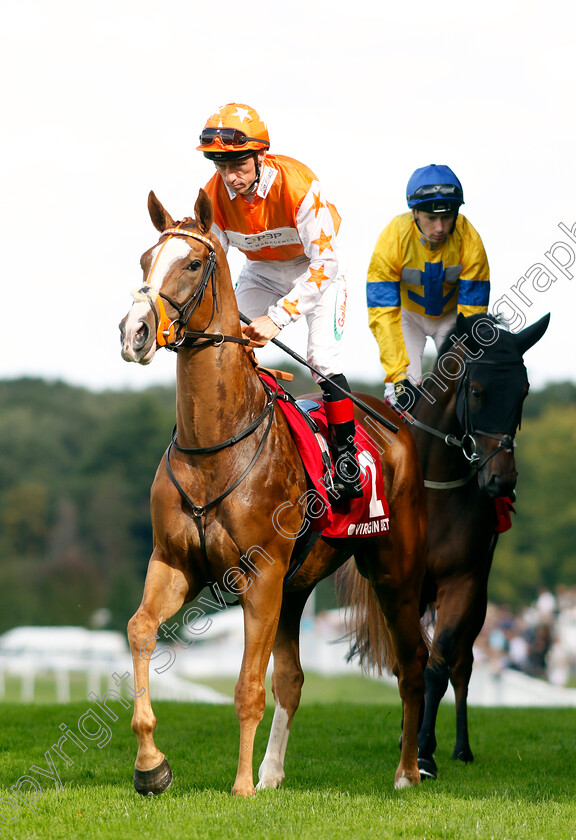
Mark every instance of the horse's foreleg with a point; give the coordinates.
(164, 593)
(261, 606)
(461, 609)
(287, 681)
(436, 685)
(460, 678)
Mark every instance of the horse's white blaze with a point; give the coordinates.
(271, 772)
(163, 258)
(132, 323)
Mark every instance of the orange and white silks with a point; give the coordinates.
(289, 224)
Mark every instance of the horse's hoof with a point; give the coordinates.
(428, 769)
(239, 790)
(464, 755)
(153, 782)
(404, 782)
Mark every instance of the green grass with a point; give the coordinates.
(340, 769)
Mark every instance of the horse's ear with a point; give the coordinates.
(527, 337)
(161, 218)
(203, 211)
(460, 323)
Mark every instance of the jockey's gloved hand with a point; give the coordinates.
(406, 394)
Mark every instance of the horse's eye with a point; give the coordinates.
(476, 398)
(194, 265)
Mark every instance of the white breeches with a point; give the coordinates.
(416, 328)
(257, 293)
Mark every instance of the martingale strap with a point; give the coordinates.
(200, 511)
(202, 450)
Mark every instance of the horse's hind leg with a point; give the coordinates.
(287, 681)
(403, 622)
(397, 577)
(164, 593)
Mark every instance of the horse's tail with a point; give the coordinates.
(366, 628)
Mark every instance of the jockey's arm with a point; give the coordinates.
(262, 328)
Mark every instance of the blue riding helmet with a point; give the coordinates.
(434, 189)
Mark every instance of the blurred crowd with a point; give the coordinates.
(539, 640)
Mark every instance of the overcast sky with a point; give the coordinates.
(103, 101)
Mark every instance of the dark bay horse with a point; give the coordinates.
(465, 422)
(232, 465)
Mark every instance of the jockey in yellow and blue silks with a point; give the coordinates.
(428, 265)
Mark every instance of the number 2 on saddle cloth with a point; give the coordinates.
(326, 516)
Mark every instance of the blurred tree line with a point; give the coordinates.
(75, 474)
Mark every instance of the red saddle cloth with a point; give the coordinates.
(345, 517)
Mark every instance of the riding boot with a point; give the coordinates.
(346, 476)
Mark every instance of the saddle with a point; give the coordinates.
(343, 517)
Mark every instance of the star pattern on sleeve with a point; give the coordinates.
(317, 276)
(290, 306)
(323, 242)
(317, 203)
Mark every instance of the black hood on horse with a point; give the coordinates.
(494, 382)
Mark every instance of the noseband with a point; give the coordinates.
(468, 441)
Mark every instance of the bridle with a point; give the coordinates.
(506, 442)
(174, 335)
(467, 443)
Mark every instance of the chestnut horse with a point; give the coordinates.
(465, 422)
(231, 465)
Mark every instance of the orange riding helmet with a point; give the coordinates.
(232, 133)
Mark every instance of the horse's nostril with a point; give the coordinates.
(501, 485)
(141, 336)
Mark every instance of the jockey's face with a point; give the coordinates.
(434, 226)
(239, 175)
